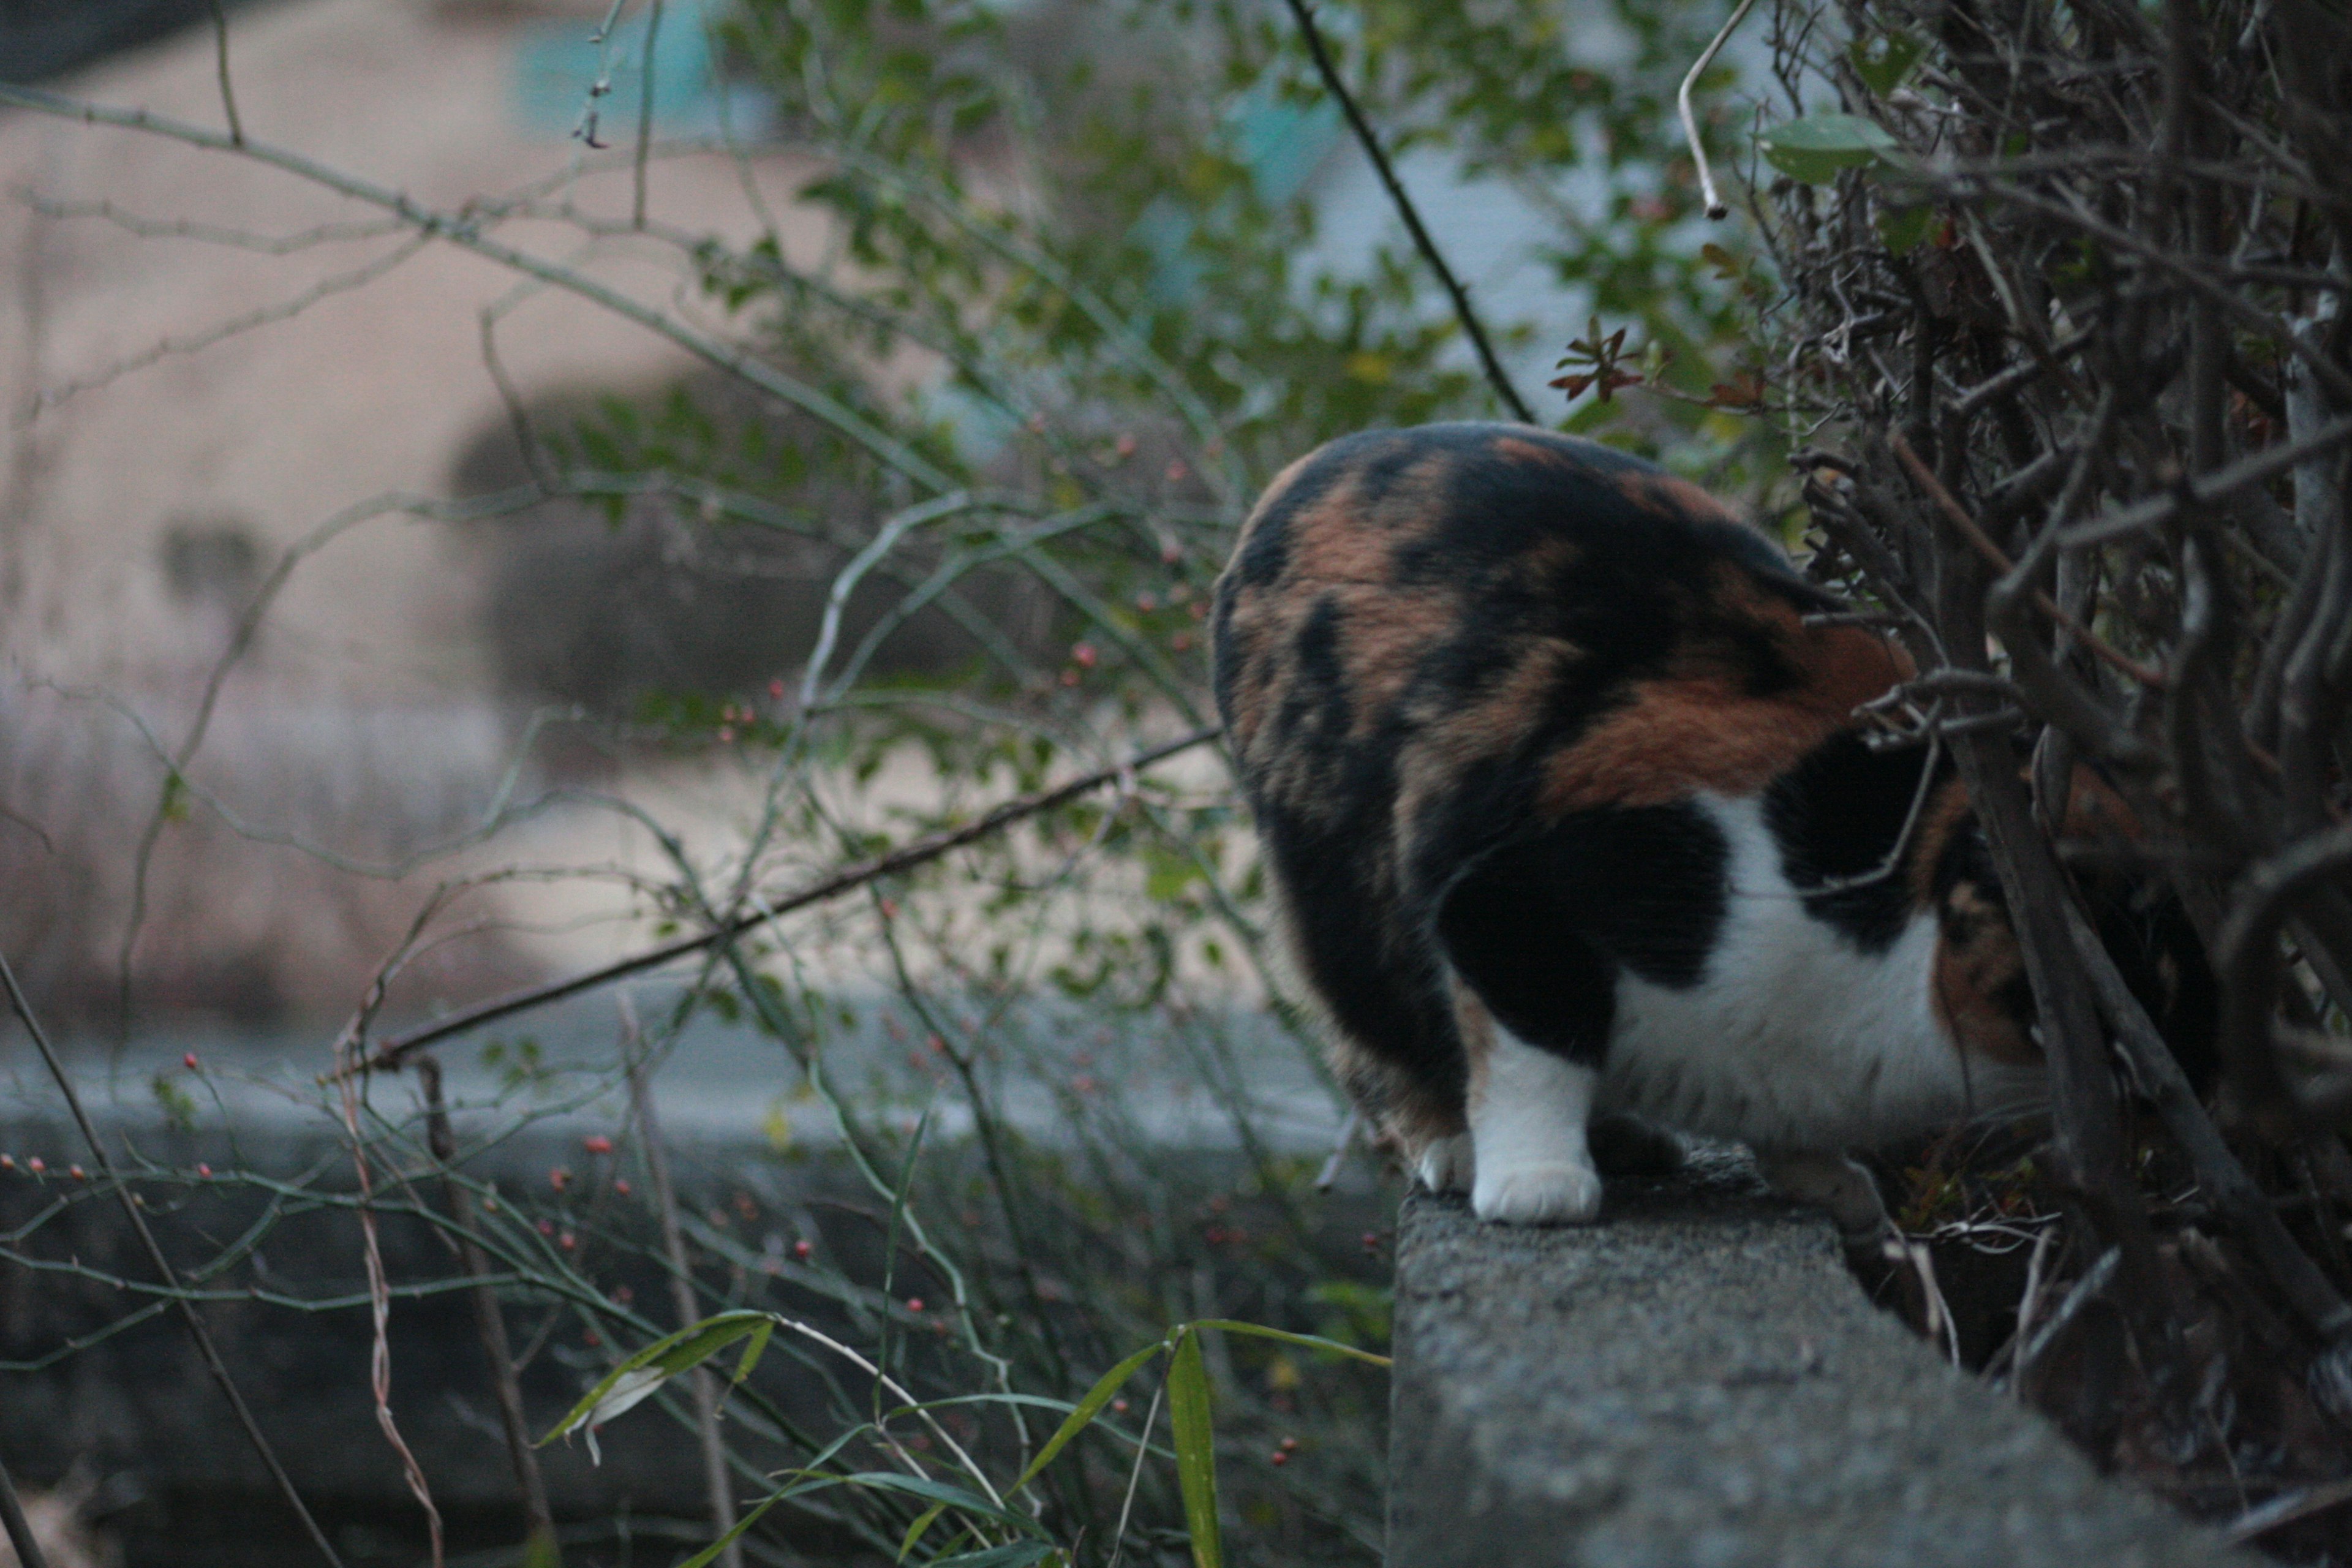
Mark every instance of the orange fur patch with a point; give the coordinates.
(1695, 729)
(1520, 450)
(1663, 495)
(1972, 967)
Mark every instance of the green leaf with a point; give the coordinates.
(942, 1492)
(710, 1554)
(923, 1521)
(1815, 148)
(753, 1352)
(1020, 1554)
(1089, 1408)
(1310, 1342)
(637, 1379)
(1196, 1453)
(1884, 62)
(1902, 228)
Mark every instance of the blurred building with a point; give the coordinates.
(208, 363)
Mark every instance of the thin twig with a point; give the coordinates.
(228, 94)
(1142, 1448)
(2094, 1281)
(2286, 1509)
(380, 1313)
(1329, 1174)
(645, 148)
(2209, 489)
(1371, 142)
(1998, 558)
(491, 1325)
(2222, 1179)
(28, 1551)
(467, 232)
(1716, 206)
(720, 1495)
(388, 1056)
(164, 1269)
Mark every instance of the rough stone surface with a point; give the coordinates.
(1698, 1381)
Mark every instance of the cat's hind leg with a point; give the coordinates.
(1835, 1182)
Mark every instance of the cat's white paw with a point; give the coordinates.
(1445, 1165)
(1538, 1194)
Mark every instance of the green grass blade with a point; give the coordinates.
(1087, 1409)
(1311, 1342)
(710, 1553)
(923, 1521)
(1196, 1454)
(1020, 1554)
(954, 1497)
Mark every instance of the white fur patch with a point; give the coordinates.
(1794, 1038)
(1444, 1166)
(1527, 1126)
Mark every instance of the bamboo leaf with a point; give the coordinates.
(637, 1379)
(1087, 1410)
(1310, 1342)
(710, 1553)
(942, 1492)
(1196, 1457)
(923, 1521)
(1019, 1555)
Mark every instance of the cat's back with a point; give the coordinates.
(1491, 623)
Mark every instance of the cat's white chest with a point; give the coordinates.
(1793, 1036)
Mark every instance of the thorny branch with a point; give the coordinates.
(2090, 254)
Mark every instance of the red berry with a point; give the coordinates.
(914, 1303)
(1084, 656)
(621, 1186)
(567, 1241)
(597, 1143)
(189, 1061)
(76, 1173)
(37, 1164)
(558, 1178)
(1287, 1443)
(7, 1161)
(801, 1250)
(547, 1227)
(592, 1339)
(1278, 1457)
(776, 687)
(203, 1171)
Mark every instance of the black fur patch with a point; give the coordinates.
(1835, 815)
(1540, 926)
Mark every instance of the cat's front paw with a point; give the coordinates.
(1538, 1194)
(1445, 1164)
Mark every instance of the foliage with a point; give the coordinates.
(2064, 344)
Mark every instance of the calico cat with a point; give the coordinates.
(1569, 810)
